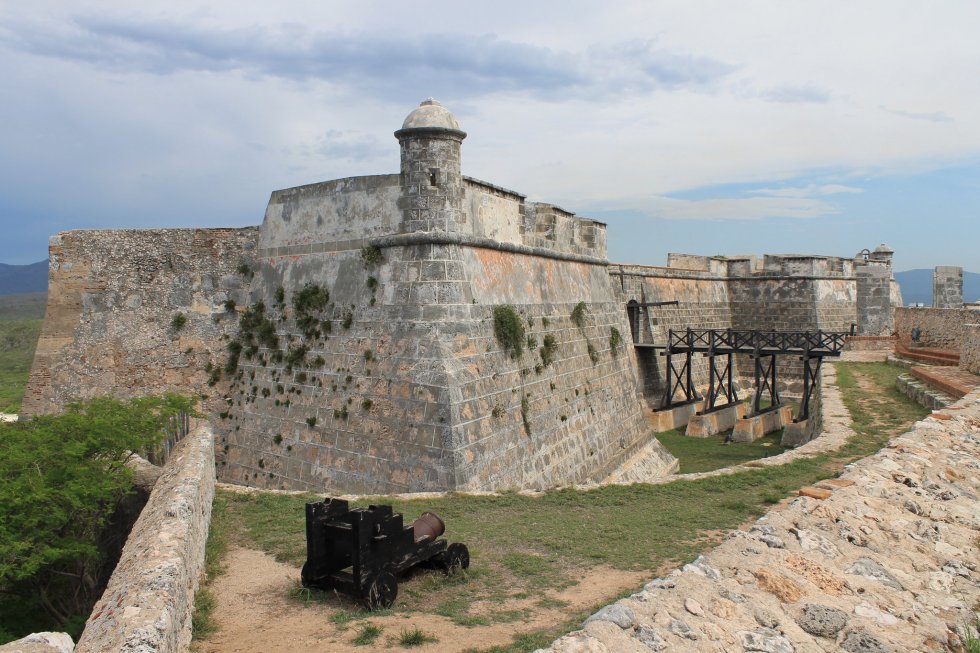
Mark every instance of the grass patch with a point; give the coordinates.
(18, 339)
(366, 635)
(706, 454)
(523, 546)
(415, 637)
(202, 620)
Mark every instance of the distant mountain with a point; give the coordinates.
(16, 279)
(917, 286)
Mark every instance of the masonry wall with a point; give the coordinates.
(399, 383)
(703, 303)
(942, 328)
(149, 600)
(947, 287)
(409, 388)
(970, 348)
(112, 298)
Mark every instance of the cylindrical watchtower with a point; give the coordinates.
(431, 180)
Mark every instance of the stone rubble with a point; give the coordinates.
(888, 562)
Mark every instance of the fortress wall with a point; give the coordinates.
(942, 328)
(527, 422)
(836, 301)
(398, 442)
(703, 303)
(447, 406)
(112, 296)
(494, 212)
(970, 347)
(330, 216)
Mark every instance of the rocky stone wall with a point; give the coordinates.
(148, 603)
(113, 298)
(941, 328)
(970, 347)
(882, 559)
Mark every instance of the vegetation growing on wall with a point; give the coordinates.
(579, 313)
(178, 322)
(548, 350)
(372, 256)
(509, 330)
(308, 304)
(615, 340)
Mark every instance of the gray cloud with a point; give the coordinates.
(451, 65)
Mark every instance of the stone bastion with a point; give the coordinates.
(414, 331)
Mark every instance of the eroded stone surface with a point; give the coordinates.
(859, 571)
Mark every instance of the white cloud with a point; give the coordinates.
(139, 107)
(811, 190)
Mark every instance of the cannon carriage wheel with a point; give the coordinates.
(381, 591)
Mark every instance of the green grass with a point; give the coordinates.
(202, 620)
(706, 454)
(366, 635)
(18, 339)
(530, 545)
(415, 637)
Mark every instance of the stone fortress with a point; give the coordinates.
(415, 331)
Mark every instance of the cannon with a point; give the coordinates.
(360, 552)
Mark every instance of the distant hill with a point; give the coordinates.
(917, 286)
(16, 279)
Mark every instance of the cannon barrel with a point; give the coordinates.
(428, 526)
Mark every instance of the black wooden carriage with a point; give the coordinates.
(361, 552)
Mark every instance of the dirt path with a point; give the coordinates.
(255, 613)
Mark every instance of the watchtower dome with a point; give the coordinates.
(431, 177)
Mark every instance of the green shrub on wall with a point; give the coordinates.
(509, 330)
(615, 340)
(579, 313)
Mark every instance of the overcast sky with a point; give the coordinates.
(702, 127)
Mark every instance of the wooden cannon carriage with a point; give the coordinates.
(361, 552)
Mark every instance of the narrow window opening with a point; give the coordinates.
(433, 176)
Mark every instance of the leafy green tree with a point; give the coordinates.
(61, 479)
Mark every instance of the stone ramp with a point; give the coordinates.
(888, 563)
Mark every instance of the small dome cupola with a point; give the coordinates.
(430, 113)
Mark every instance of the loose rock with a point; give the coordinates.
(651, 638)
(871, 569)
(862, 642)
(821, 620)
(617, 613)
(766, 640)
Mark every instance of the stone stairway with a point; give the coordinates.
(928, 355)
(936, 386)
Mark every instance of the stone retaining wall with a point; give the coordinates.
(942, 328)
(148, 603)
(970, 348)
(886, 562)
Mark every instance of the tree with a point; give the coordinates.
(61, 479)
